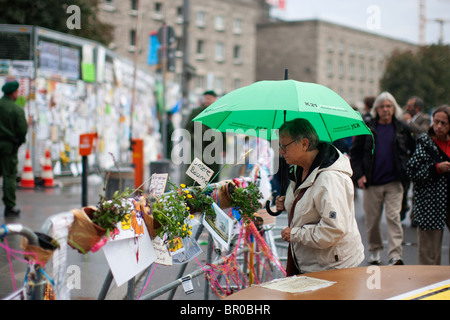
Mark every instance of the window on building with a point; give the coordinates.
(371, 74)
(330, 68)
(200, 50)
(362, 72)
(158, 11)
(132, 37)
(351, 50)
(237, 25)
(199, 82)
(220, 52)
(341, 69)
(200, 19)
(341, 47)
(179, 17)
(351, 70)
(237, 54)
(219, 85)
(219, 23)
(134, 4)
(237, 83)
(330, 45)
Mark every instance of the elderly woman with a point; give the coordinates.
(429, 170)
(322, 231)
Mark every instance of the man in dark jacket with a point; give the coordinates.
(13, 130)
(380, 172)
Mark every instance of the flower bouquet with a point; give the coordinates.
(171, 211)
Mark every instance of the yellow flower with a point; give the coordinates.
(184, 228)
(191, 216)
(189, 196)
(188, 208)
(189, 232)
(183, 185)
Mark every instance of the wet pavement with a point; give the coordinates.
(40, 203)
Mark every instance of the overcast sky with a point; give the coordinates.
(395, 18)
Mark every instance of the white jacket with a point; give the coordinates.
(324, 232)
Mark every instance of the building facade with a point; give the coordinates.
(349, 61)
(221, 36)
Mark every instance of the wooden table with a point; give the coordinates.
(354, 283)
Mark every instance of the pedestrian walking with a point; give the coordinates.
(429, 169)
(368, 104)
(13, 130)
(322, 230)
(197, 147)
(380, 172)
(418, 123)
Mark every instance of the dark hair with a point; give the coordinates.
(298, 129)
(210, 92)
(368, 101)
(444, 108)
(417, 102)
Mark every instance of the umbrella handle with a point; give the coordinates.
(270, 211)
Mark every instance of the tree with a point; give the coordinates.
(424, 73)
(52, 14)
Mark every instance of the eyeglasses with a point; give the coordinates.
(284, 146)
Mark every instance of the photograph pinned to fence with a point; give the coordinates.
(220, 227)
(191, 247)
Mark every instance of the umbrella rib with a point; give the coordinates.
(325, 127)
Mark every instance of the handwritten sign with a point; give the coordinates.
(199, 172)
(158, 184)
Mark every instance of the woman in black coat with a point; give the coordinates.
(429, 170)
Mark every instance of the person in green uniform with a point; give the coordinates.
(13, 130)
(208, 98)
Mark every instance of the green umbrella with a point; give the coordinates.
(262, 107)
(265, 105)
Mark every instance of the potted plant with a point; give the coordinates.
(91, 224)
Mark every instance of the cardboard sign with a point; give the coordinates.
(199, 172)
(158, 184)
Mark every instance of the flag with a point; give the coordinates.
(153, 48)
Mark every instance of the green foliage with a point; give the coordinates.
(246, 200)
(52, 14)
(424, 73)
(111, 212)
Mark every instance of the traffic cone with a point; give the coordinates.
(47, 172)
(27, 179)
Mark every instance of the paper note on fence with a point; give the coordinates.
(297, 284)
(126, 258)
(158, 184)
(199, 172)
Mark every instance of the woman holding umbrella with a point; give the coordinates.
(322, 231)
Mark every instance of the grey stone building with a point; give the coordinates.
(347, 60)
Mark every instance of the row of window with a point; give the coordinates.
(200, 16)
(352, 50)
(219, 52)
(341, 71)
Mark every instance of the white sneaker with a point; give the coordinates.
(375, 257)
